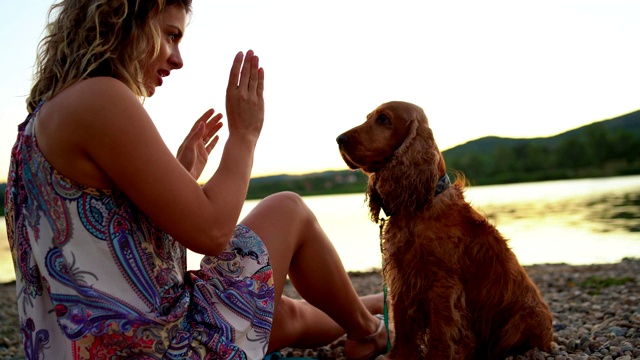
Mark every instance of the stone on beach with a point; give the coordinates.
(596, 312)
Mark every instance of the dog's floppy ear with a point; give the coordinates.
(409, 181)
(411, 134)
(373, 198)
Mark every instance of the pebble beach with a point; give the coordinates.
(596, 310)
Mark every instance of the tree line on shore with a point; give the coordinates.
(608, 148)
(605, 148)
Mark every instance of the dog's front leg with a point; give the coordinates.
(405, 345)
(449, 335)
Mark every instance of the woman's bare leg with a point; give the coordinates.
(299, 248)
(293, 317)
(298, 324)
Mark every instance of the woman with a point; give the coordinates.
(100, 213)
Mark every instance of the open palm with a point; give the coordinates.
(194, 151)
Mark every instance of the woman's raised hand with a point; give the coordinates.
(245, 102)
(196, 147)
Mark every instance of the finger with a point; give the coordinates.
(212, 144)
(246, 70)
(207, 114)
(212, 130)
(214, 120)
(213, 125)
(253, 80)
(235, 71)
(260, 87)
(196, 134)
(203, 119)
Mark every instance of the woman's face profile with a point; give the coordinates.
(172, 23)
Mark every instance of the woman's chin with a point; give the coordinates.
(150, 91)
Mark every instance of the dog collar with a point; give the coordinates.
(443, 184)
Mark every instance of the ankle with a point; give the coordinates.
(368, 346)
(369, 326)
(374, 303)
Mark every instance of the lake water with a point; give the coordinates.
(570, 221)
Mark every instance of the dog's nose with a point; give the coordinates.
(343, 138)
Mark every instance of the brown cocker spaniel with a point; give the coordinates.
(456, 289)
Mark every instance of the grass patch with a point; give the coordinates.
(595, 283)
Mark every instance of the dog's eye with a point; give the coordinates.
(383, 119)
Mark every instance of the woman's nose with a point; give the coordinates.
(176, 59)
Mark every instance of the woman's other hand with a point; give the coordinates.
(244, 101)
(196, 147)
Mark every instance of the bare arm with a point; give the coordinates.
(101, 119)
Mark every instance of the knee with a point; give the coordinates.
(287, 309)
(287, 318)
(284, 197)
(286, 202)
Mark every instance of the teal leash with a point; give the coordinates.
(384, 288)
(443, 184)
(386, 316)
(278, 355)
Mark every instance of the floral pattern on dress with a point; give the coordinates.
(97, 279)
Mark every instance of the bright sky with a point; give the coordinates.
(504, 68)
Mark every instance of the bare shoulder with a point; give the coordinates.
(73, 121)
(95, 107)
(102, 88)
(93, 95)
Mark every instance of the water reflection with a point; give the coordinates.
(600, 213)
(573, 221)
(576, 222)
(616, 212)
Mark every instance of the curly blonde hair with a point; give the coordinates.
(90, 38)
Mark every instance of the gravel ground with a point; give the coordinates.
(596, 312)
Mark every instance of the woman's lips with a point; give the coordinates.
(162, 73)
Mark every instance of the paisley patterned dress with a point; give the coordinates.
(97, 279)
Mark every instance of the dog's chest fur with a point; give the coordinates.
(408, 232)
(445, 237)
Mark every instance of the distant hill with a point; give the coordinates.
(604, 148)
(320, 183)
(629, 122)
